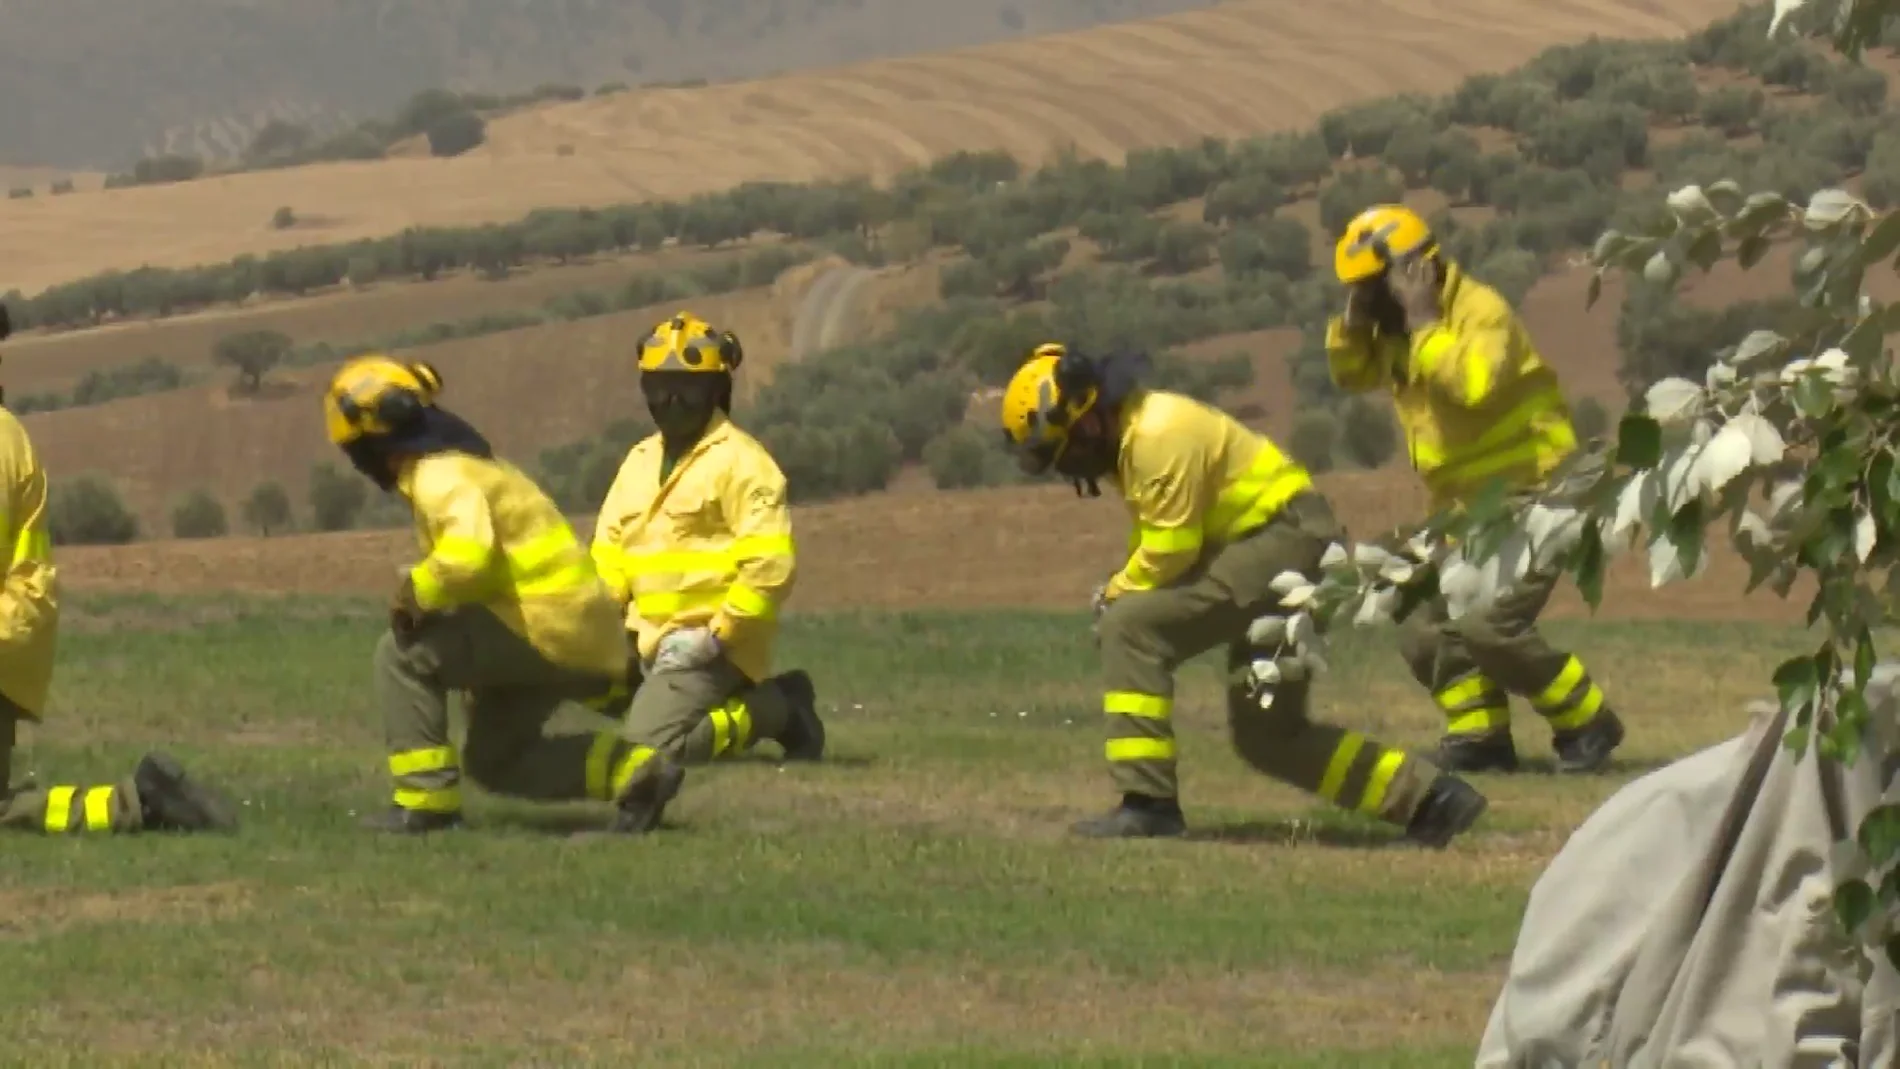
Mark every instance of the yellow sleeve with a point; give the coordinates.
(459, 567)
(610, 556)
(1165, 487)
(1357, 361)
(752, 496)
(1463, 362)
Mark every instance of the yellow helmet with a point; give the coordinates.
(1379, 236)
(1037, 413)
(689, 343)
(374, 394)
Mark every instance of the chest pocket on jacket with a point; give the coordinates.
(692, 511)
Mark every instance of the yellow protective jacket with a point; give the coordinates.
(29, 597)
(491, 537)
(1474, 398)
(1194, 479)
(710, 546)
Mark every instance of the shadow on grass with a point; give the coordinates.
(1617, 766)
(1296, 832)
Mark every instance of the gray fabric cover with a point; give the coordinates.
(1686, 924)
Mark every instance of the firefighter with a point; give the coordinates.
(158, 796)
(1219, 512)
(1477, 405)
(695, 539)
(505, 606)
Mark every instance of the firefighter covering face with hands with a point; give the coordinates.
(505, 605)
(1477, 404)
(158, 795)
(1219, 512)
(695, 540)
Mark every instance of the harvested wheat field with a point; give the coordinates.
(1243, 68)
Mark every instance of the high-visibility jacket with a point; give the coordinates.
(491, 537)
(1194, 479)
(1474, 398)
(29, 596)
(710, 545)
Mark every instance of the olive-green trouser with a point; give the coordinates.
(62, 807)
(1473, 664)
(700, 715)
(1146, 636)
(511, 692)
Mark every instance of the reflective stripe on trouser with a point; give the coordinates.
(64, 808)
(1503, 645)
(1571, 700)
(1474, 705)
(706, 714)
(1140, 750)
(1143, 636)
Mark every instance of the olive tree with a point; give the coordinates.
(1789, 447)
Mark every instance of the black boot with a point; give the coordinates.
(804, 738)
(1493, 751)
(1138, 817)
(399, 821)
(171, 801)
(1588, 748)
(639, 810)
(1451, 806)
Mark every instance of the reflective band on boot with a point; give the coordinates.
(1474, 706)
(1571, 700)
(607, 779)
(1378, 779)
(732, 728)
(96, 806)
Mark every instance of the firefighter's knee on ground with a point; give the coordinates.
(488, 763)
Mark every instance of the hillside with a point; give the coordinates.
(1247, 67)
(109, 77)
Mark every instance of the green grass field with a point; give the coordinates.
(915, 902)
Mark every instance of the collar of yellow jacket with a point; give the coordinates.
(718, 429)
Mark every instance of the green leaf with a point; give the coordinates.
(1595, 292)
(1847, 730)
(1883, 240)
(1853, 904)
(1863, 343)
(1796, 740)
(1639, 442)
(1813, 396)
(1751, 249)
(1883, 487)
(1660, 270)
(1685, 533)
(1880, 834)
(1893, 950)
(1797, 682)
(1588, 568)
(1725, 195)
(1706, 249)
(1864, 658)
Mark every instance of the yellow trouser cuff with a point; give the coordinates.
(445, 800)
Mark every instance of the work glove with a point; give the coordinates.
(1098, 604)
(686, 649)
(1415, 285)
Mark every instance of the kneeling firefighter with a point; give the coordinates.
(158, 796)
(1219, 512)
(695, 540)
(505, 606)
(1478, 405)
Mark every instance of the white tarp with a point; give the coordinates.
(1687, 923)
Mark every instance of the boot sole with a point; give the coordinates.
(207, 807)
(642, 817)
